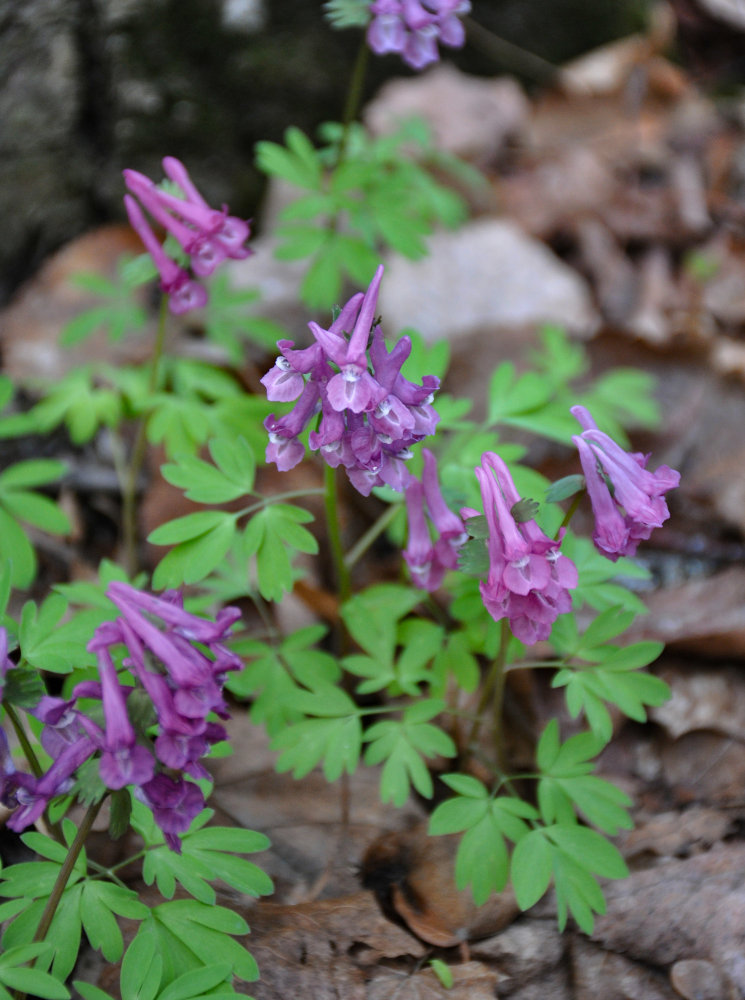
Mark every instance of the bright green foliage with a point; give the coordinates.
(200, 542)
(539, 400)
(443, 972)
(372, 617)
(86, 904)
(16, 976)
(404, 746)
(482, 860)
(119, 312)
(347, 13)
(229, 320)
(19, 502)
(207, 853)
(275, 675)
(572, 855)
(566, 783)
(50, 643)
(84, 400)
(332, 734)
(271, 535)
(378, 196)
(231, 476)
(182, 936)
(606, 673)
(420, 641)
(599, 585)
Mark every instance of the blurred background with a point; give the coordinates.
(88, 87)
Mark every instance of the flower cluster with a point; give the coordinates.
(429, 560)
(207, 236)
(627, 499)
(529, 579)
(178, 685)
(413, 28)
(368, 418)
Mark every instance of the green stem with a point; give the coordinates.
(64, 874)
(354, 97)
(570, 513)
(28, 750)
(129, 495)
(492, 691)
(374, 531)
(343, 579)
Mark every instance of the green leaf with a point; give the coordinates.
(298, 163)
(531, 868)
(16, 550)
(198, 983)
(443, 972)
(142, 967)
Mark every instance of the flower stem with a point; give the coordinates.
(129, 491)
(570, 513)
(64, 874)
(492, 691)
(376, 529)
(343, 579)
(28, 750)
(354, 97)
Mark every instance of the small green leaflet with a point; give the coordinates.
(207, 854)
(119, 312)
(566, 783)
(201, 541)
(20, 503)
(270, 535)
(17, 977)
(231, 476)
(573, 855)
(403, 746)
(50, 643)
(482, 860)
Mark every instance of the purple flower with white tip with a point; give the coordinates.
(369, 414)
(627, 498)
(412, 28)
(429, 560)
(529, 579)
(207, 235)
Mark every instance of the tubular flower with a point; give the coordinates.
(369, 414)
(627, 499)
(529, 579)
(206, 235)
(429, 560)
(178, 684)
(412, 28)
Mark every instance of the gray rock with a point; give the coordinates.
(486, 276)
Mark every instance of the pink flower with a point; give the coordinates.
(627, 499)
(529, 579)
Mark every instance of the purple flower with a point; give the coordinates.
(413, 28)
(122, 762)
(370, 415)
(207, 235)
(627, 499)
(175, 803)
(196, 679)
(32, 795)
(529, 579)
(428, 561)
(183, 293)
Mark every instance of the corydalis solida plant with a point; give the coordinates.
(206, 235)
(181, 681)
(369, 414)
